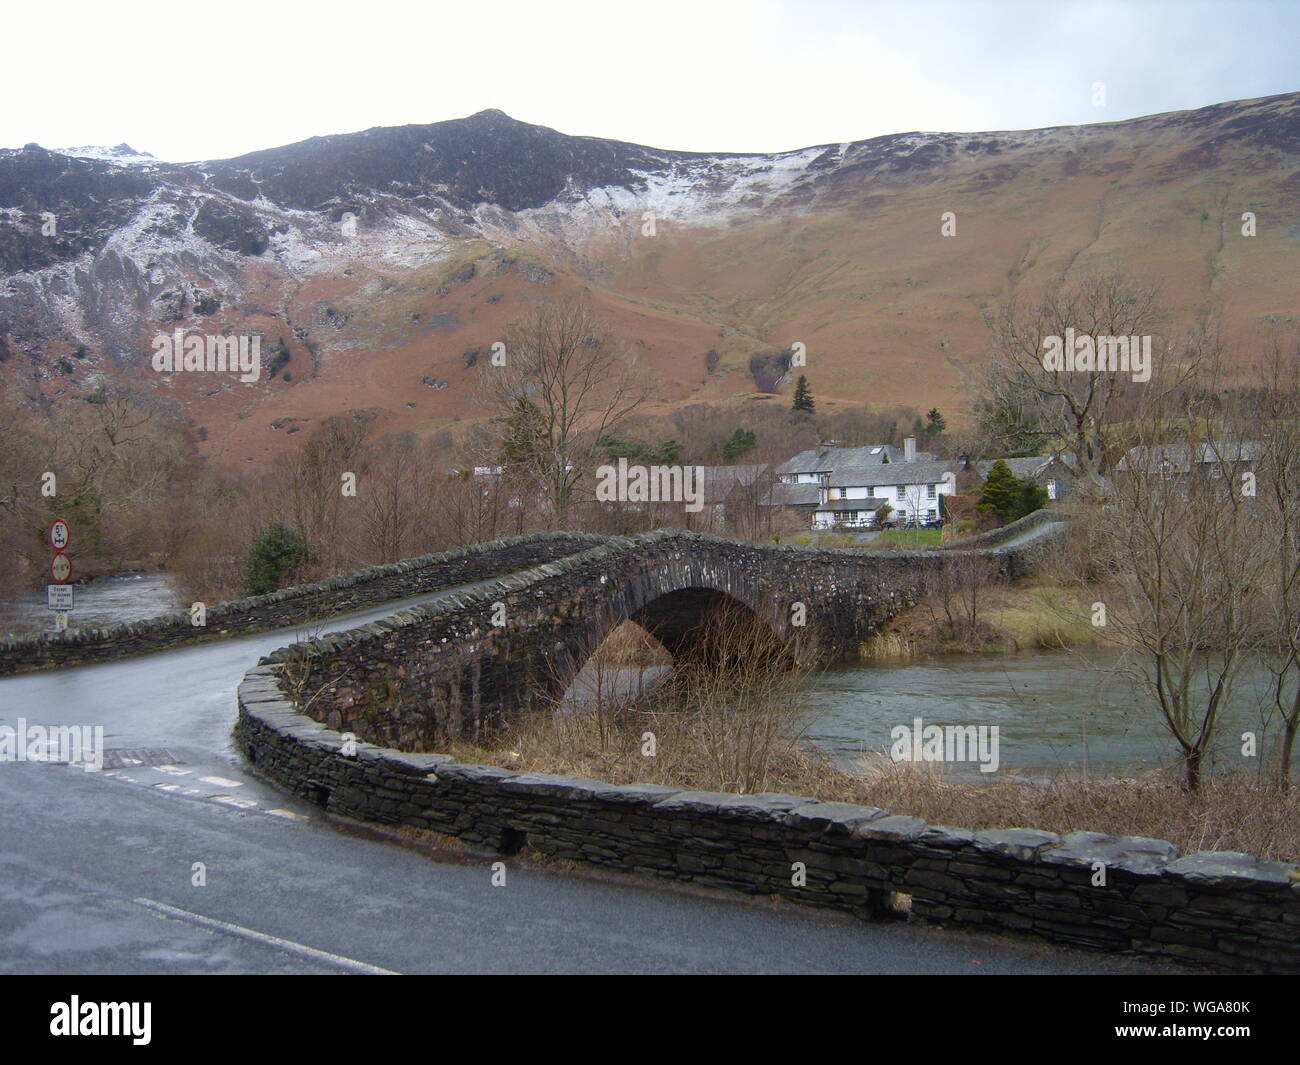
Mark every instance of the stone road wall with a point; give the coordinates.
(300, 605)
(1228, 910)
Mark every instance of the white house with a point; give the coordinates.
(816, 464)
(852, 497)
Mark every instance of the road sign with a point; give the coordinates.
(61, 568)
(60, 596)
(61, 622)
(59, 535)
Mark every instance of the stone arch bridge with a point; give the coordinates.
(464, 664)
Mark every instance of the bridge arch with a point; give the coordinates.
(690, 609)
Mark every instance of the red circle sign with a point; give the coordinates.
(61, 568)
(59, 535)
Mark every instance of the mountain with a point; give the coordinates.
(378, 265)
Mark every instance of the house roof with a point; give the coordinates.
(908, 473)
(1025, 468)
(829, 458)
(1174, 456)
(793, 495)
(931, 471)
(721, 481)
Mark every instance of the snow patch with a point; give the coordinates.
(123, 155)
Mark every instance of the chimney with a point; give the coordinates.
(909, 449)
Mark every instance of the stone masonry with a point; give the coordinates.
(1225, 909)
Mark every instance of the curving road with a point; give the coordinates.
(98, 870)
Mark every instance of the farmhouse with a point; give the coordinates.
(854, 486)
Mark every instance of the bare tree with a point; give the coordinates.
(564, 384)
(22, 451)
(1072, 409)
(1181, 545)
(956, 586)
(1274, 415)
(313, 499)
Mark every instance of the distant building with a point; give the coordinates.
(1214, 460)
(853, 484)
(814, 465)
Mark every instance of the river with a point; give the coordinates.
(1053, 710)
(106, 601)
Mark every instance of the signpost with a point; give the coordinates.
(61, 569)
(59, 535)
(58, 594)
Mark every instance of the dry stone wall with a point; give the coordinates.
(1228, 910)
(299, 605)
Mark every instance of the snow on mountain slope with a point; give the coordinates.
(122, 154)
(432, 236)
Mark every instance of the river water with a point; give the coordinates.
(1053, 710)
(107, 601)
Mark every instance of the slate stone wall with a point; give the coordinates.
(1227, 910)
(300, 605)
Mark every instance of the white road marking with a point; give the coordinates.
(311, 953)
(225, 800)
(173, 771)
(230, 800)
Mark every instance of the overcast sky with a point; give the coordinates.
(203, 82)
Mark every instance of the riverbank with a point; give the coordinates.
(1029, 615)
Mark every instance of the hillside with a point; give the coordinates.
(387, 261)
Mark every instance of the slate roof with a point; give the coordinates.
(895, 473)
(826, 459)
(793, 495)
(1175, 455)
(1025, 468)
(721, 481)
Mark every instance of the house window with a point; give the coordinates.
(902, 490)
(1051, 488)
(870, 492)
(929, 491)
